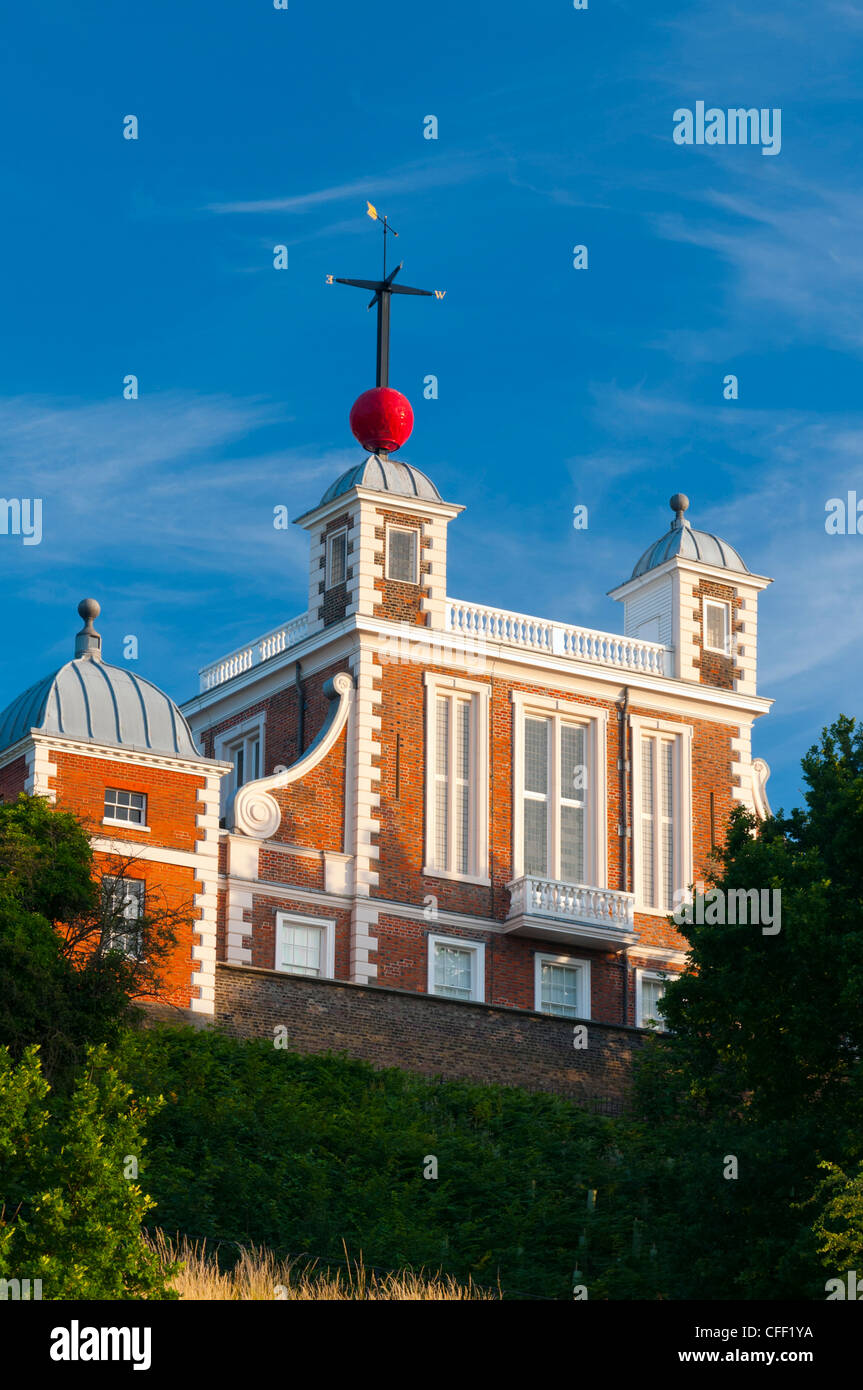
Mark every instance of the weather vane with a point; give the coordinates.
(383, 290)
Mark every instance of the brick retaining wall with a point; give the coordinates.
(427, 1034)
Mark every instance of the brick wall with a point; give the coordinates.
(13, 778)
(425, 1034)
(334, 602)
(172, 798)
(401, 602)
(713, 667)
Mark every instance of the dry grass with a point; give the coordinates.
(258, 1275)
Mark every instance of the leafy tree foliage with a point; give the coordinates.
(69, 1214)
(65, 981)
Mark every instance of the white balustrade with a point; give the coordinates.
(480, 623)
(278, 640)
(572, 902)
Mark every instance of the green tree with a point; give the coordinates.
(66, 974)
(763, 1063)
(70, 1205)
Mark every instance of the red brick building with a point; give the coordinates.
(399, 788)
(442, 797)
(102, 742)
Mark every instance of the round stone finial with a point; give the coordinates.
(87, 641)
(89, 609)
(679, 503)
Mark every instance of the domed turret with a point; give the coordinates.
(689, 544)
(693, 594)
(90, 700)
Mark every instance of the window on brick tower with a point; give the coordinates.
(337, 558)
(402, 554)
(717, 626)
(121, 805)
(124, 903)
(554, 802)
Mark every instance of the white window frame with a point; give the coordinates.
(118, 820)
(682, 801)
(582, 964)
(477, 966)
(333, 536)
(438, 685)
(327, 927)
(228, 740)
(664, 976)
(726, 609)
(416, 533)
(595, 722)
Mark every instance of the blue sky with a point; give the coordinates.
(604, 387)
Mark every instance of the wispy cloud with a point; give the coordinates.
(423, 174)
(136, 493)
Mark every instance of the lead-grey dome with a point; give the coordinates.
(689, 544)
(383, 474)
(88, 699)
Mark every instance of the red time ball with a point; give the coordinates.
(382, 419)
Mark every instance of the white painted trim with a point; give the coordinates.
(423, 507)
(127, 824)
(595, 720)
(658, 953)
(477, 968)
(153, 854)
(581, 964)
(327, 926)
(480, 695)
(253, 811)
(329, 645)
(692, 568)
(109, 752)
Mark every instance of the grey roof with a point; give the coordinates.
(682, 540)
(383, 474)
(88, 699)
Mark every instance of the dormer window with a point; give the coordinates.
(337, 558)
(717, 626)
(402, 552)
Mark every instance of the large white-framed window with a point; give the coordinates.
(559, 775)
(305, 945)
(403, 554)
(337, 558)
(662, 796)
(124, 899)
(456, 778)
(242, 745)
(456, 968)
(561, 986)
(716, 626)
(650, 986)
